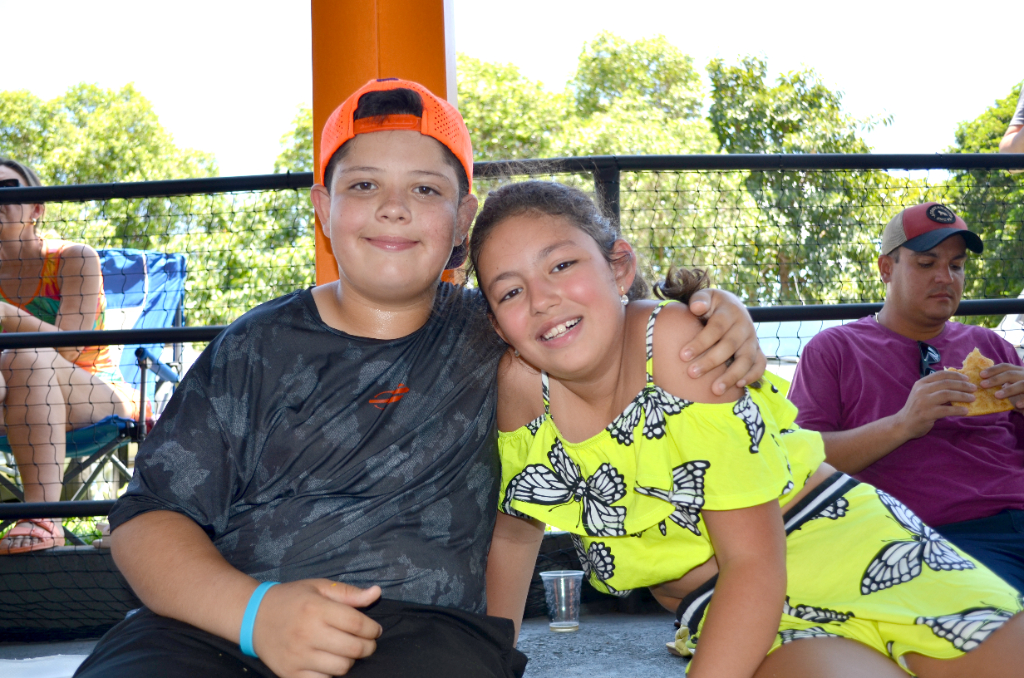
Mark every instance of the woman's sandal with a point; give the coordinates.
(678, 646)
(45, 532)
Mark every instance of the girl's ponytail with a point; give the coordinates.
(681, 283)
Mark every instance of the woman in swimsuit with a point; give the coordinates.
(775, 564)
(48, 286)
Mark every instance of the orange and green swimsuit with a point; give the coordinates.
(45, 304)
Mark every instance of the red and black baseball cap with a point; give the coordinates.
(922, 227)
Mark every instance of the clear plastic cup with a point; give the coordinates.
(562, 592)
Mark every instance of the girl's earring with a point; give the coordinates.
(624, 299)
(515, 352)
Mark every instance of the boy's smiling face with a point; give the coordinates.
(393, 215)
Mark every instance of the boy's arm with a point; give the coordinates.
(510, 564)
(306, 628)
(745, 609)
(729, 333)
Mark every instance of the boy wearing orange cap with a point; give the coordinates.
(341, 440)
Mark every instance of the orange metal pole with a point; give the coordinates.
(358, 40)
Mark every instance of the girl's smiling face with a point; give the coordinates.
(555, 297)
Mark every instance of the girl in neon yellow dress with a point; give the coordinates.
(775, 563)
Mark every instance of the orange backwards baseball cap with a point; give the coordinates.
(440, 120)
(922, 227)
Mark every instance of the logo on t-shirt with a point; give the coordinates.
(385, 398)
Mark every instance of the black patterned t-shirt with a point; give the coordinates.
(306, 452)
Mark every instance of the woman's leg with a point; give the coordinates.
(91, 399)
(1001, 655)
(35, 411)
(828, 658)
(46, 396)
(3, 397)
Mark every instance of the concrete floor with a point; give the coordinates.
(609, 645)
(31, 650)
(613, 645)
(43, 660)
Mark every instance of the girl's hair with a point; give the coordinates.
(681, 283)
(559, 200)
(26, 172)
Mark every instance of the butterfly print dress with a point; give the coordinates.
(634, 488)
(633, 495)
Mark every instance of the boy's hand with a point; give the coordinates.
(311, 629)
(729, 333)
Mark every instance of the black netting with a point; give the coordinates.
(61, 594)
(240, 248)
(812, 237)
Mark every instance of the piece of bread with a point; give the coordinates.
(985, 401)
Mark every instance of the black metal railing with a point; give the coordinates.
(775, 229)
(88, 509)
(604, 168)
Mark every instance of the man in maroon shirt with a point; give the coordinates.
(893, 417)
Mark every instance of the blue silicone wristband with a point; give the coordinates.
(249, 618)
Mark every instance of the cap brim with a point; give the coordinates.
(927, 241)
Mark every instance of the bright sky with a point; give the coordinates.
(227, 76)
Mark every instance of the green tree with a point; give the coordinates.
(628, 126)
(508, 115)
(262, 245)
(294, 212)
(769, 236)
(992, 204)
(799, 114)
(982, 135)
(94, 135)
(626, 98)
(651, 70)
(297, 144)
(242, 249)
(642, 97)
(812, 239)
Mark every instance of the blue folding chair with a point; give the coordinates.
(144, 289)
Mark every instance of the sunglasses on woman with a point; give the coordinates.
(10, 183)
(929, 356)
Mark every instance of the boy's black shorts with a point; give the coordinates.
(418, 641)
